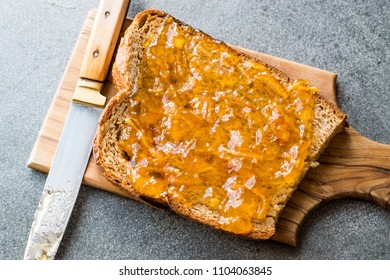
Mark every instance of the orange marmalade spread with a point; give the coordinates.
(207, 126)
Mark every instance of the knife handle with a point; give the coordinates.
(104, 35)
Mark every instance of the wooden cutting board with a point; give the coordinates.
(352, 165)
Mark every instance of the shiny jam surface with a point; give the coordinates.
(207, 127)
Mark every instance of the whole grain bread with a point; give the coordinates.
(328, 121)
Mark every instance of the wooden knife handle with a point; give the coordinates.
(103, 39)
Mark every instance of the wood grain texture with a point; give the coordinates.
(97, 58)
(352, 165)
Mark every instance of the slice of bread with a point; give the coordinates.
(213, 134)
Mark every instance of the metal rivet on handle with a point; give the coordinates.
(96, 53)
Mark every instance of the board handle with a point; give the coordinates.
(352, 166)
(103, 39)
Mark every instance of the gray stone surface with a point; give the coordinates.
(351, 38)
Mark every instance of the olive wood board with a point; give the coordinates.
(351, 166)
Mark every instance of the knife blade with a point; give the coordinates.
(74, 148)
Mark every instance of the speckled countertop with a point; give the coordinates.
(351, 38)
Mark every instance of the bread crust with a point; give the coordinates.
(125, 66)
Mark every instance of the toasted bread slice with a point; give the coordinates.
(213, 134)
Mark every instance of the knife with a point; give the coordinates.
(75, 144)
